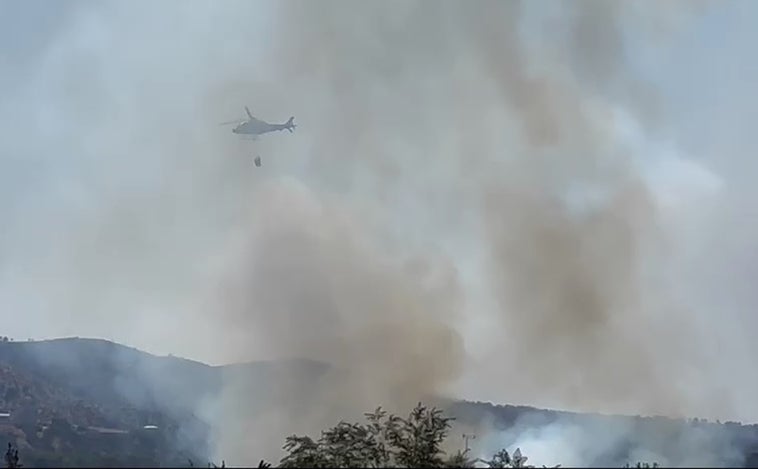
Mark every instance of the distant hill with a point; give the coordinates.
(86, 402)
(96, 397)
(615, 440)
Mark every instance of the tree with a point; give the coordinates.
(386, 441)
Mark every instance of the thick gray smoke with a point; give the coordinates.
(471, 203)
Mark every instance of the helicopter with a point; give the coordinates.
(255, 127)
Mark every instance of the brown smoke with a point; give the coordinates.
(310, 282)
(407, 97)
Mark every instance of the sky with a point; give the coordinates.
(128, 211)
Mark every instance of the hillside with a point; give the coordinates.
(74, 402)
(613, 440)
(94, 398)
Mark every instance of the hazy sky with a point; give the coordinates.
(120, 194)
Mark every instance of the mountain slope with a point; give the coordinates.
(613, 440)
(86, 402)
(104, 394)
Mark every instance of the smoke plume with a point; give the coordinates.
(465, 207)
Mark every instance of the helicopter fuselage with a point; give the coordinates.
(255, 127)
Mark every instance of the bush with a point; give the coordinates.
(11, 457)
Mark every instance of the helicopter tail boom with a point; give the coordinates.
(290, 124)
